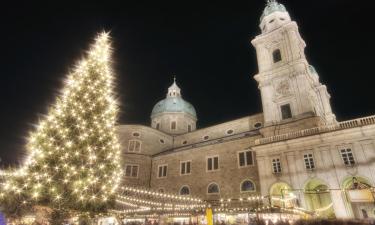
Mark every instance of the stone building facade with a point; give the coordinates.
(295, 152)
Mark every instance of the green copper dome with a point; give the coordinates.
(272, 6)
(174, 103)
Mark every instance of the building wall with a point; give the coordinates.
(228, 177)
(330, 168)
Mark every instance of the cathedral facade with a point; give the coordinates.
(295, 152)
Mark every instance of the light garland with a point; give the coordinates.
(160, 195)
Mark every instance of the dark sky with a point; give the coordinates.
(207, 45)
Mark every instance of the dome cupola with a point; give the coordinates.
(173, 114)
(274, 16)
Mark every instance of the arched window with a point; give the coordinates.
(276, 55)
(185, 190)
(213, 188)
(247, 186)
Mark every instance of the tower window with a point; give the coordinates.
(157, 126)
(276, 55)
(173, 125)
(189, 128)
(286, 111)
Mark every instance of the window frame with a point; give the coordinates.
(310, 158)
(279, 54)
(245, 158)
(189, 128)
(166, 171)
(175, 123)
(185, 162)
(183, 186)
(346, 153)
(213, 163)
(276, 163)
(290, 109)
(254, 185)
(215, 193)
(135, 141)
(131, 170)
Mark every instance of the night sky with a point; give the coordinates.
(206, 45)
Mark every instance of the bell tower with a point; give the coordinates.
(289, 85)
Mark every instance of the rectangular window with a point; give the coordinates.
(157, 126)
(276, 165)
(245, 158)
(185, 167)
(134, 146)
(189, 128)
(131, 170)
(286, 111)
(309, 161)
(212, 163)
(162, 171)
(173, 125)
(347, 156)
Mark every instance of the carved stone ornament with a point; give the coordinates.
(283, 88)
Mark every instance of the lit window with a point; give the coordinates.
(276, 56)
(347, 156)
(245, 158)
(162, 171)
(309, 161)
(213, 188)
(134, 146)
(131, 170)
(276, 165)
(185, 190)
(286, 111)
(185, 167)
(173, 125)
(247, 186)
(212, 163)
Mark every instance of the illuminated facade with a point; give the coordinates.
(295, 152)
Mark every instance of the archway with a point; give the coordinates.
(318, 198)
(359, 197)
(282, 196)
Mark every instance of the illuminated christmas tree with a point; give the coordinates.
(73, 161)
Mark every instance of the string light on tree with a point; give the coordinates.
(69, 143)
